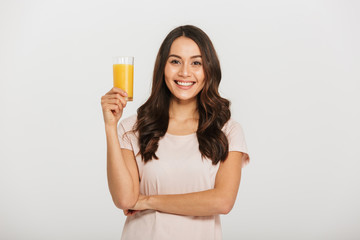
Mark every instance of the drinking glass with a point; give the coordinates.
(123, 69)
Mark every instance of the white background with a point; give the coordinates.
(290, 68)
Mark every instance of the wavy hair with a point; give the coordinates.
(214, 112)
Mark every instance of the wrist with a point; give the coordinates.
(150, 202)
(110, 128)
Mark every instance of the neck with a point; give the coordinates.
(182, 110)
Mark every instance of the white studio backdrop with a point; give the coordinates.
(290, 68)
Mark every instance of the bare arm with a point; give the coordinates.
(121, 172)
(219, 200)
(123, 178)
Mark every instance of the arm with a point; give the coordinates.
(123, 178)
(122, 173)
(219, 200)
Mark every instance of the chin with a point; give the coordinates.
(184, 98)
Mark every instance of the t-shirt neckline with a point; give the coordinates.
(187, 135)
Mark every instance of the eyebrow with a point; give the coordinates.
(177, 56)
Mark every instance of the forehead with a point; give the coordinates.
(184, 46)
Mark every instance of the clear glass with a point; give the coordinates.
(123, 69)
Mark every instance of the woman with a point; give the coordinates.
(176, 165)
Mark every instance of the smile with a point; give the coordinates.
(184, 83)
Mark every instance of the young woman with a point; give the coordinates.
(176, 165)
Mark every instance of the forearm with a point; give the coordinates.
(204, 203)
(120, 183)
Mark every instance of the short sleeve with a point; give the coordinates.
(124, 139)
(236, 138)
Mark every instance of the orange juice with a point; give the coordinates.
(124, 78)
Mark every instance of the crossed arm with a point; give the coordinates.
(219, 200)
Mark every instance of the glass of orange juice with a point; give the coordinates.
(123, 69)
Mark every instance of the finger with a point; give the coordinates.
(113, 101)
(113, 107)
(118, 90)
(129, 212)
(118, 100)
(112, 98)
(112, 95)
(133, 213)
(119, 106)
(116, 110)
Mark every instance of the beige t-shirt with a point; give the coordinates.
(179, 169)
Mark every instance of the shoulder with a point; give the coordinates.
(128, 123)
(232, 125)
(235, 134)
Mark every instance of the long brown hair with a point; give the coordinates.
(153, 115)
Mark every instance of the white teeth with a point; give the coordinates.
(184, 83)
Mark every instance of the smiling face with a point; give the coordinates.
(184, 73)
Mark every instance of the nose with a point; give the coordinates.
(184, 71)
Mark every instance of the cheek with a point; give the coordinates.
(167, 73)
(200, 75)
(166, 70)
(202, 85)
(167, 81)
(167, 78)
(169, 70)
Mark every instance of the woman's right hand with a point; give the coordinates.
(113, 103)
(129, 212)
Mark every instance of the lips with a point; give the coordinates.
(184, 83)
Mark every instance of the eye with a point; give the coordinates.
(174, 61)
(197, 63)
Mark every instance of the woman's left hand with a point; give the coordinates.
(141, 203)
